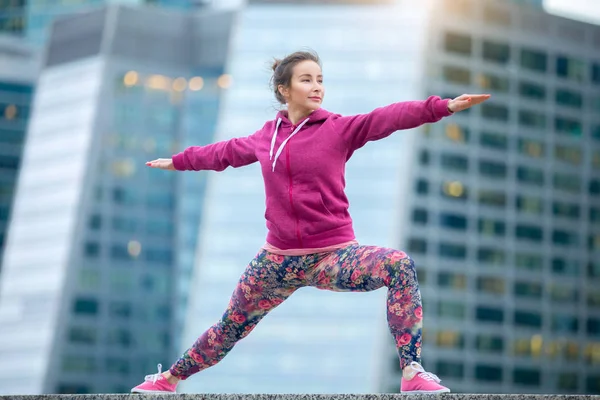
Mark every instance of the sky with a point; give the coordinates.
(585, 10)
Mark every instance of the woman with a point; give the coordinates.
(310, 240)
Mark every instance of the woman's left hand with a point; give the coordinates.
(466, 101)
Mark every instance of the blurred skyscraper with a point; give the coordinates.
(504, 209)
(18, 71)
(498, 205)
(100, 247)
(41, 14)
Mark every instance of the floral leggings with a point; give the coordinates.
(271, 278)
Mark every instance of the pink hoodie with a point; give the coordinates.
(303, 166)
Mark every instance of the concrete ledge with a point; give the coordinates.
(303, 397)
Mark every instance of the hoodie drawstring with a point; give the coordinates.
(284, 142)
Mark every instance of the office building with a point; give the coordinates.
(504, 207)
(100, 247)
(18, 71)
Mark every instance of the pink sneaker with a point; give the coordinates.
(422, 382)
(155, 383)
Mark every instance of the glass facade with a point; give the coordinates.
(12, 17)
(15, 106)
(525, 229)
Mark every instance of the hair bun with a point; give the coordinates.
(276, 63)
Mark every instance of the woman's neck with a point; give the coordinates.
(295, 115)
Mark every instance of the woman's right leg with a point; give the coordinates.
(268, 280)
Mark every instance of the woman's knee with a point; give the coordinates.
(400, 262)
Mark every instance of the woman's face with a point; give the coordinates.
(306, 90)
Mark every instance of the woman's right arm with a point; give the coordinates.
(234, 153)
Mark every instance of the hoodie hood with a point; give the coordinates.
(317, 116)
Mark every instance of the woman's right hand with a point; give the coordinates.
(162, 163)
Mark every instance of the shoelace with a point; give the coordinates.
(428, 376)
(154, 377)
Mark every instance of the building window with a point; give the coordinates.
(532, 119)
(492, 169)
(416, 245)
(593, 326)
(594, 187)
(565, 266)
(596, 132)
(119, 337)
(594, 215)
(488, 373)
(532, 91)
(452, 280)
(89, 279)
(488, 227)
(85, 306)
(91, 249)
(95, 222)
(569, 98)
(491, 256)
(419, 216)
(456, 133)
(489, 343)
(454, 190)
(458, 43)
(570, 68)
(568, 127)
(564, 324)
(565, 238)
(83, 334)
(531, 176)
(424, 157)
(568, 381)
(451, 369)
(530, 205)
(596, 159)
(457, 75)
(491, 285)
(453, 221)
(455, 251)
(568, 154)
(496, 83)
(563, 294)
(496, 52)
(528, 319)
(531, 262)
(455, 162)
(529, 232)
(567, 182)
(530, 290)
(119, 366)
(493, 141)
(596, 79)
(78, 363)
(531, 148)
(74, 388)
(528, 377)
(450, 340)
(422, 186)
(534, 60)
(494, 112)
(120, 309)
(451, 309)
(592, 384)
(566, 210)
(492, 198)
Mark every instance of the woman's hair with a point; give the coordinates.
(284, 69)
